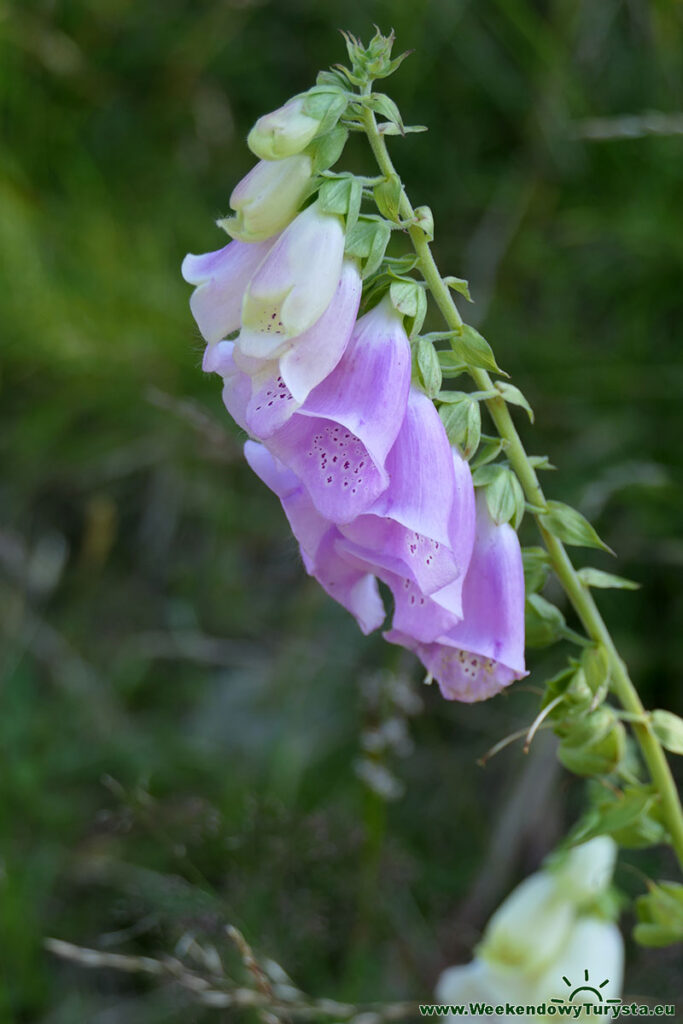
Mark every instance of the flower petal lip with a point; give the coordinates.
(484, 652)
(218, 358)
(282, 132)
(356, 590)
(268, 198)
(339, 440)
(294, 284)
(421, 528)
(222, 277)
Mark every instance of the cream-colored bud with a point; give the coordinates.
(529, 928)
(283, 132)
(268, 198)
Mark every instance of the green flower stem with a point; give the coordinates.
(578, 594)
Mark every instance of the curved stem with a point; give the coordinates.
(578, 594)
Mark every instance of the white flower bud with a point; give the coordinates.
(587, 870)
(283, 132)
(268, 198)
(529, 928)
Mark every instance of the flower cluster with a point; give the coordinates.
(342, 434)
(550, 941)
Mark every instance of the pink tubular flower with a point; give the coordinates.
(356, 590)
(419, 533)
(480, 655)
(294, 284)
(222, 277)
(337, 443)
(276, 388)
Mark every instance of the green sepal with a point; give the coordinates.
(605, 580)
(668, 728)
(462, 419)
(367, 240)
(331, 79)
(326, 149)
(326, 103)
(624, 815)
(536, 562)
(387, 195)
(505, 498)
(513, 396)
(428, 365)
(570, 685)
(595, 745)
(410, 299)
(570, 526)
(596, 667)
(489, 449)
(424, 219)
(544, 622)
(451, 366)
(342, 196)
(660, 915)
(474, 350)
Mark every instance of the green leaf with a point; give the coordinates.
(462, 420)
(460, 285)
(326, 149)
(474, 350)
(565, 522)
(513, 396)
(504, 497)
(428, 364)
(388, 196)
(668, 728)
(383, 105)
(387, 128)
(604, 580)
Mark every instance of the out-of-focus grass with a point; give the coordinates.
(178, 700)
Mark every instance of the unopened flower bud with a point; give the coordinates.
(268, 198)
(529, 928)
(586, 871)
(283, 132)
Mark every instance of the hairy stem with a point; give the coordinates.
(579, 595)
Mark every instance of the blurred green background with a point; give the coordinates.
(182, 712)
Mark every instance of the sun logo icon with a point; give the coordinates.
(583, 993)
